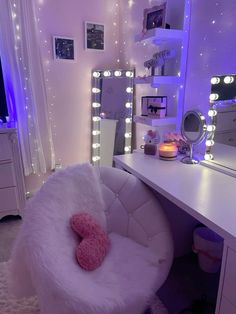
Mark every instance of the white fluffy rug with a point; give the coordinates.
(9, 305)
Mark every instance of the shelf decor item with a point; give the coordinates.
(158, 61)
(94, 36)
(63, 48)
(154, 106)
(154, 17)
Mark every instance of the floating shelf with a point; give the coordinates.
(157, 80)
(155, 121)
(158, 36)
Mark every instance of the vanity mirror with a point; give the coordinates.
(193, 130)
(221, 138)
(112, 114)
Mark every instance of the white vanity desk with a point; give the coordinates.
(207, 195)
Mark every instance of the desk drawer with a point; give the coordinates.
(228, 138)
(227, 307)
(5, 147)
(8, 199)
(7, 175)
(229, 288)
(226, 121)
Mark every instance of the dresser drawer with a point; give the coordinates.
(228, 138)
(227, 307)
(8, 199)
(226, 121)
(7, 176)
(229, 287)
(5, 147)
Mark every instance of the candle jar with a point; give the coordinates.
(168, 151)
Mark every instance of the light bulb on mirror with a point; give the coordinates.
(127, 135)
(96, 158)
(129, 74)
(96, 145)
(96, 105)
(127, 149)
(210, 143)
(212, 113)
(96, 119)
(211, 128)
(208, 157)
(128, 120)
(117, 73)
(96, 90)
(96, 74)
(128, 105)
(215, 80)
(129, 90)
(214, 97)
(107, 73)
(96, 132)
(228, 79)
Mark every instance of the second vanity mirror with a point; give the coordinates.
(112, 114)
(193, 130)
(221, 138)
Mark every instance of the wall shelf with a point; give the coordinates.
(159, 36)
(157, 80)
(155, 121)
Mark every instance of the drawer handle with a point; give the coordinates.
(230, 139)
(234, 120)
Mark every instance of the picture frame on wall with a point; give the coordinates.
(94, 36)
(64, 48)
(154, 17)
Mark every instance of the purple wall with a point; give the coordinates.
(212, 48)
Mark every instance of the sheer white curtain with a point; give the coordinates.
(25, 84)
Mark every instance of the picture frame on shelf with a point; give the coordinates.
(94, 36)
(64, 48)
(154, 17)
(154, 106)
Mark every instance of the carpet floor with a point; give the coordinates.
(10, 305)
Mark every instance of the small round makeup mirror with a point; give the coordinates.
(193, 130)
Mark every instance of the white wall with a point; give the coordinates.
(69, 82)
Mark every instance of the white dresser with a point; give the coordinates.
(12, 189)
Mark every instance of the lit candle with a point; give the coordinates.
(168, 151)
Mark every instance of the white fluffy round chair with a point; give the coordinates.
(136, 266)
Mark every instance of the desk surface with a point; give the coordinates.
(207, 195)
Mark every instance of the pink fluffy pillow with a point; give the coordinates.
(92, 250)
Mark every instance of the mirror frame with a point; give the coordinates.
(202, 119)
(96, 109)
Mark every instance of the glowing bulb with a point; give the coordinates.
(128, 120)
(96, 132)
(96, 119)
(228, 79)
(211, 128)
(117, 73)
(210, 143)
(96, 145)
(215, 80)
(214, 97)
(208, 157)
(107, 73)
(202, 118)
(129, 74)
(128, 105)
(96, 74)
(96, 105)
(212, 113)
(127, 149)
(96, 158)
(129, 90)
(96, 90)
(127, 135)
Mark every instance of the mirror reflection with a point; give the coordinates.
(112, 112)
(192, 127)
